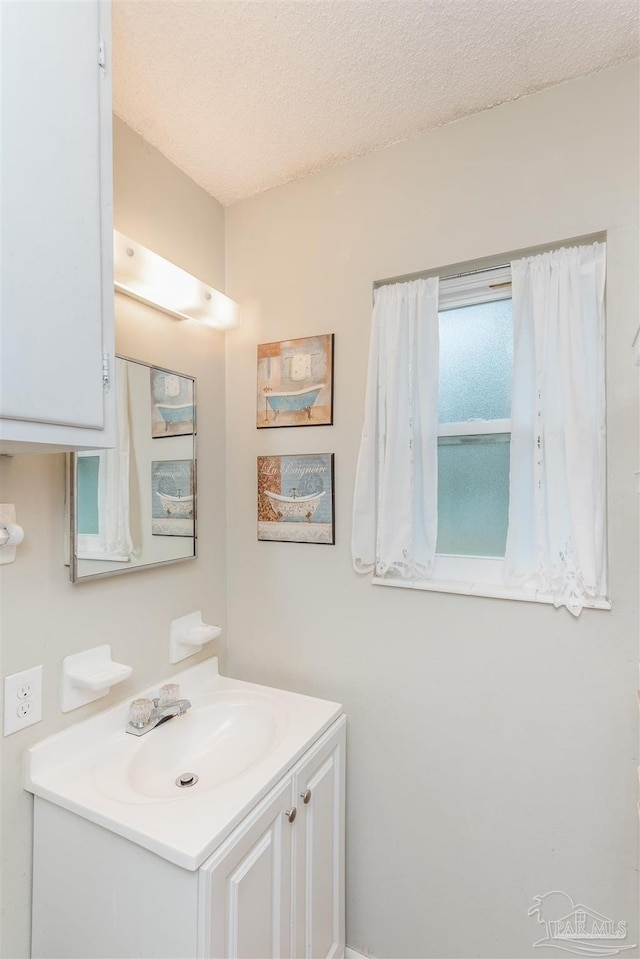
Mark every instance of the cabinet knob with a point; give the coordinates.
(291, 813)
(306, 796)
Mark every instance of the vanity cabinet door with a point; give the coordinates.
(56, 282)
(319, 790)
(245, 887)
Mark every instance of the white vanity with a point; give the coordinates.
(247, 862)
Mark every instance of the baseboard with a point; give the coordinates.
(352, 954)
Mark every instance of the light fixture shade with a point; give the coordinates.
(145, 276)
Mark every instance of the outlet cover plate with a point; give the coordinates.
(14, 699)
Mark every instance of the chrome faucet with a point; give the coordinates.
(146, 714)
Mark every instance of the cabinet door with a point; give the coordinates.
(245, 887)
(319, 852)
(56, 306)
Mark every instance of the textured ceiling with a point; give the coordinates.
(245, 94)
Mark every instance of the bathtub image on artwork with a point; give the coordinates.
(295, 498)
(172, 404)
(295, 382)
(172, 498)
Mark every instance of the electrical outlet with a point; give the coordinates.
(22, 699)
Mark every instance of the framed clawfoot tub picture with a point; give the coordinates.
(295, 382)
(172, 406)
(295, 498)
(172, 498)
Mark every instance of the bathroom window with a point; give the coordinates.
(102, 518)
(482, 462)
(474, 422)
(88, 479)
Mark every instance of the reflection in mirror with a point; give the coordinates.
(135, 506)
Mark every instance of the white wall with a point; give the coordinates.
(44, 617)
(492, 744)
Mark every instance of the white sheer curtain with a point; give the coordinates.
(395, 508)
(556, 535)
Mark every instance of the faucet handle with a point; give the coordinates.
(168, 694)
(140, 712)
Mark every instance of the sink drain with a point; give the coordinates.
(186, 779)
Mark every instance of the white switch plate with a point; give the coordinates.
(22, 699)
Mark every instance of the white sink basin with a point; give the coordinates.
(238, 739)
(216, 742)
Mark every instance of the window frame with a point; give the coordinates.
(91, 545)
(474, 575)
(484, 286)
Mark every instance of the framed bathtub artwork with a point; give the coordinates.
(172, 498)
(295, 382)
(295, 498)
(172, 406)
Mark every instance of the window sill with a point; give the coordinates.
(490, 590)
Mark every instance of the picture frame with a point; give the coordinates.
(172, 404)
(296, 498)
(172, 498)
(295, 382)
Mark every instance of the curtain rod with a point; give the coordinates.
(496, 265)
(423, 274)
(408, 277)
(485, 269)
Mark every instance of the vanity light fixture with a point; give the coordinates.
(148, 277)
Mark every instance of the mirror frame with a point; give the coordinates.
(73, 496)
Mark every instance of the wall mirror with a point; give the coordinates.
(135, 506)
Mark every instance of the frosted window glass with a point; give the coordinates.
(476, 360)
(88, 474)
(473, 495)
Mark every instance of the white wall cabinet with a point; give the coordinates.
(56, 313)
(273, 888)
